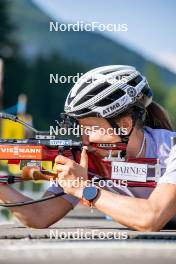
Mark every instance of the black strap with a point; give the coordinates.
(52, 196)
(139, 113)
(11, 179)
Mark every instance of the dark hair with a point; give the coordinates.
(158, 117)
(155, 117)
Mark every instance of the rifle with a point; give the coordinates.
(42, 147)
(30, 152)
(45, 147)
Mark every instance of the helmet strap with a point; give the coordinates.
(139, 114)
(124, 138)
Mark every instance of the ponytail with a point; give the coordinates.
(157, 117)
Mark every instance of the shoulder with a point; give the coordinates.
(160, 135)
(170, 174)
(155, 132)
(161, 140)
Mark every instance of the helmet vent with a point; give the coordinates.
(94, 92)
(82, 111)
(135, 81)
(108, 72)
(84, 85)
(111, 98)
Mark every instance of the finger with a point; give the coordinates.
(61, 175)
(60, 167)
(62, 159)
(61, 180)
(84, 159)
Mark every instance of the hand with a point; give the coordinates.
(71, 175)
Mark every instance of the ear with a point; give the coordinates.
(125, 122)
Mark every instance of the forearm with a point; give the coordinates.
(129, 211)
(26, 214)
(38, 215)
(133, 212)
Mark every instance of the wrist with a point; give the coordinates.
(89, 195)
(94, 202)
(77, 192)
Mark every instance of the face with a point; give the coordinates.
(98, 130)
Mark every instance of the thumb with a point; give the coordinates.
(84, 159)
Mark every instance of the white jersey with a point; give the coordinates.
(158, 145)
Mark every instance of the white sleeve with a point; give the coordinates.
(70, 198)
(170, 173)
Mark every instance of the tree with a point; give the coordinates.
(7, 45)
(46, 100)
(170, 103)
(156, 83)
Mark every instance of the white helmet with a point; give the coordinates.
(108, 91)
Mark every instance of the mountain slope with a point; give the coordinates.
(90, 48)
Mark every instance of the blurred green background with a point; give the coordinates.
(30, 53)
